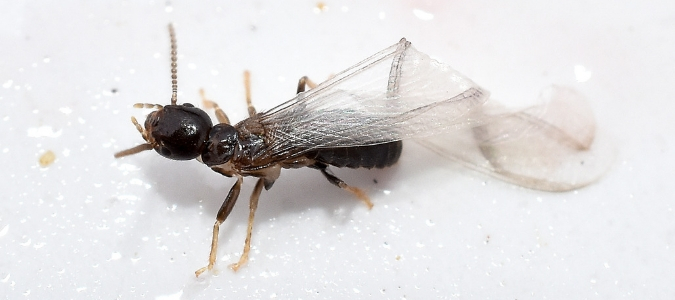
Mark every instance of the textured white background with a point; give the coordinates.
(89, 226)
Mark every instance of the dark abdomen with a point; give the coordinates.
(375, 156)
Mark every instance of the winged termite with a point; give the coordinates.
(359, 119)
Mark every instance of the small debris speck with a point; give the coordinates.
(47, 159)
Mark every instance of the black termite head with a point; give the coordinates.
(185, 132)
(178, 132)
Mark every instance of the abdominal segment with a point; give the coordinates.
(373, 156)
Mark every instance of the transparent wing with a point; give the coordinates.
(398, 93)
(552, 146)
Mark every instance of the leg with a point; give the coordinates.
(252, 208)
(220, 114)
(224, 211)
(247, 87)
(303, 83)
(341, 184)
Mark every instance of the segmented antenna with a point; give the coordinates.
(174, 58)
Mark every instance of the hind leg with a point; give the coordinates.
(341, 184)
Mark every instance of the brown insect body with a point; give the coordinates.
(232, 150)
(185, 132)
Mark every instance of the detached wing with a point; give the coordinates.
(398, 93)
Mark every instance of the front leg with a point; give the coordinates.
(251, 215)
(223, 212)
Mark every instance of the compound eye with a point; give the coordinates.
(164, 151)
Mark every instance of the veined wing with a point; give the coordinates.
(552, 146)
(398, 93)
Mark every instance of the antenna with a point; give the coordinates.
(174, 58)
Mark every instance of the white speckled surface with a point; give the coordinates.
(89, 226)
